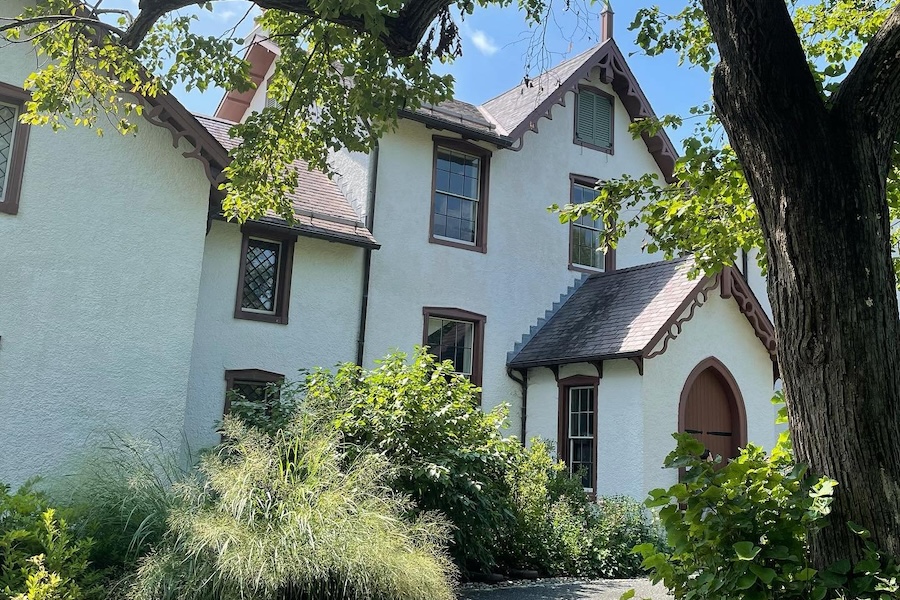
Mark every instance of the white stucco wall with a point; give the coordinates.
(525, 268)
(718, 329)
(326, 287)
(620, 421)
(98, 289)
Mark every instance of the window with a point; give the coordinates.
(13, 143)
(578, 427)
(586, 234)
(264, 279)
(458, 336)
(459, 201)
(252, 385)
(594, 119)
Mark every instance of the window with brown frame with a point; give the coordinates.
(577, 441)
(460, 194)
(594, 119)
(458, 336)
(586, 251)
(13, 144)
(252, 385)
(264, 279)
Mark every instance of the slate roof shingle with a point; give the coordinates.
(320, 207)
(614, 314)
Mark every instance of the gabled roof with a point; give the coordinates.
(321, 209)
(634, 313)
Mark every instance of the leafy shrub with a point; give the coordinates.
(447, 453)
(740, 531)
(280, 516)
(40, 558)
(559, 531)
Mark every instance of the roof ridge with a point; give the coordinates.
(650, 265)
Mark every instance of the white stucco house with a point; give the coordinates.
(128, 304)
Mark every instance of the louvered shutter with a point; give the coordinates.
(602, 121)
(584, 122)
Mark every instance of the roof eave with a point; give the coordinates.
(310, 232)
(466, 132)
(563, 360)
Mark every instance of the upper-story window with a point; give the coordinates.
(13, 143)
(594, 119)
(586, 251)
(459, 199)
(264, 279)
(458, 336)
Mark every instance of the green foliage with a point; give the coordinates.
(448, 455)
(40, 558)
(282, 516)
(740, 530)
(559, 531)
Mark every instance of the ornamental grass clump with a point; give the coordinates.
(284, 516)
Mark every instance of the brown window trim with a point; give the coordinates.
(10, 202)
(562, 444)
(283, 295)
(254, 375)
(609, 253)
(612, 121)
(477, 343)
(484, 154)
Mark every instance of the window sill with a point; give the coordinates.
(453, 244)
(588, 270)
(583, 144)
(261, 317)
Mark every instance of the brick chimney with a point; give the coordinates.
(606, 22)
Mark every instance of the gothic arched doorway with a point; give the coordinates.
(712, 409)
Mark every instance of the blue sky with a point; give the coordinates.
(498, 48)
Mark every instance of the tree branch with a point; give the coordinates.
(402, 35)
(60, 19)
(872, 88)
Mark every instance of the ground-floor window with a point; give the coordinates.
(253, 388)
(578, 427)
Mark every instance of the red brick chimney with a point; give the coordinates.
(606, 22)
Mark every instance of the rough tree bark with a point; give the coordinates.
(818, 174)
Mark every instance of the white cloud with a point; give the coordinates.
(483, 42)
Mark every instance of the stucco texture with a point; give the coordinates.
(98, 289)
(525, 268)
(326, 288)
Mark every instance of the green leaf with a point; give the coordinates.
(765, 574)
(746, 550)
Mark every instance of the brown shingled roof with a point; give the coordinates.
(319, 206)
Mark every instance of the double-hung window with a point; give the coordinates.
(264, 279)
(586, 250)
(594, 119)
(456, 335)
(13, 143)
(578, 428)
(459, 198)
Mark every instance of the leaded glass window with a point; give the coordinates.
(587, 233)
(454, 340)
(457, 191)
(257, 392)
(581, 433)
(260, 288)
(8, 120)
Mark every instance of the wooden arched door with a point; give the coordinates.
(712, 409)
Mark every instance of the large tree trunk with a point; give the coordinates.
(818, 177)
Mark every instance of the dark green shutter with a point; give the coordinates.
(593, 123)
(602, 122)
(584, 129)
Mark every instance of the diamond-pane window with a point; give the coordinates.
(450, 339)
(261, 276)
(8, 120)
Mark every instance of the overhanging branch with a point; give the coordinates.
(872, 88)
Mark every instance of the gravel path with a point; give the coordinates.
(565, 589)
